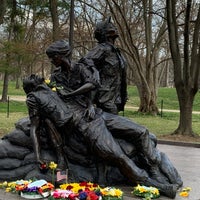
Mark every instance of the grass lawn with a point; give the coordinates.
(8, 122)
(161, 125)
(12, 89)
(167, 96)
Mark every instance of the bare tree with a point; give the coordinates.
(53, 7)
(2, 10)
(141, 44)
(11, 36)
(185, 58)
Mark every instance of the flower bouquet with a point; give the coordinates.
(111, 193)
(52, 85)
(34, 190)
(79, 191)
(8, 186)
(146, 192)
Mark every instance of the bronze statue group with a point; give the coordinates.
(82, 122)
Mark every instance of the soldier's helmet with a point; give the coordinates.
(105, 30)
(60, 47)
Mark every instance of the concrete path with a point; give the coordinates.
(185, 159)
(187, 162)
(164, 110)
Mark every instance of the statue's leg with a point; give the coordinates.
(101, 168)
(124, 128)
(104, 145)
(57, 142)
(170, 171)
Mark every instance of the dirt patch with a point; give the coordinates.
(180, 138)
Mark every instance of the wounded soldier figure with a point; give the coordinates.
(99, 133)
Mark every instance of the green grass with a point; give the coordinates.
(166, 95)
(12, 112)
(8, 121)
(169, 120)
(12, 89)
(13, 107)
(156, 124)
(161, 125)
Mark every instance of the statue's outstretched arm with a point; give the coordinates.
(34, 132)
(82, 90)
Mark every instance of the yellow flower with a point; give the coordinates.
(187, 189)
(54, 89)
(12, 184)
(8, 189)
(63, 186)
(47, 81)
(118, 192)
(76, 187)
(4, 184)
(111, 192)
(147, 192)
(184, 194)
(142, 189)
(155, 191)
(52, 165)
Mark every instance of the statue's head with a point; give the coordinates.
(104, 30)
(31, 82)
(60, 47)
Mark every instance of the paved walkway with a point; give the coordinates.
(164, 110)
(185, 159)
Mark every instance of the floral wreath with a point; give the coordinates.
(146, 192)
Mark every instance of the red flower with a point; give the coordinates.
(69, 187)
(72, 196)
(92, 196)
(87, 189)
(40, 191)
(43, 166)
(83, 184)
(95, 185)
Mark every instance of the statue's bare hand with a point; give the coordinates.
(40, 162)
(90, 112)
(63, 94)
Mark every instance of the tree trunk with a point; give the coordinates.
(186, 69)
(2, 10)
(17, 85)
(186, 98)
(5, 87)
(54, 15)
(148, 102)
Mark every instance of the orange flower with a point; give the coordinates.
(184, 194)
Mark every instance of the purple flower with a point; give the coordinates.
(82, 195)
